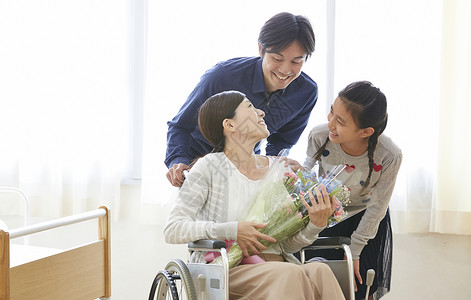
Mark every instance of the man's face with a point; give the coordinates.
(281, 68)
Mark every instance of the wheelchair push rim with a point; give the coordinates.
(177, 285)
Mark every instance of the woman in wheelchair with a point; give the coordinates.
(217, 191)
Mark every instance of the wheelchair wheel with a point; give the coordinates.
(178, 269)
(180, 280)
(165, 285)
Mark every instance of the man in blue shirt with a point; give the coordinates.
(273, 82)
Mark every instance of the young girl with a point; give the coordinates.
(353, 136)
(218, 188)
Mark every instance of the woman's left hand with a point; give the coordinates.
(320, 210)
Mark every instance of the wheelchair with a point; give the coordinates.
(199, 281)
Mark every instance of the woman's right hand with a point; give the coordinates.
(248, 238)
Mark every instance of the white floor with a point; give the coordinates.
(425, 266)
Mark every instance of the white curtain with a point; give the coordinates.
(417, 52)
(451, 210)
(396, 45)
(64, 92)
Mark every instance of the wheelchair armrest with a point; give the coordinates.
(207, 244)
(331, 241)
(337, 242)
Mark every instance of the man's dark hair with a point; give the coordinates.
(281, 30)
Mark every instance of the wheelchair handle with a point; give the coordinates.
(370, 275)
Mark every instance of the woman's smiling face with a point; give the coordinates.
(248, 121)
(281, 68)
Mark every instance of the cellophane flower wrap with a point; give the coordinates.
(278, 203)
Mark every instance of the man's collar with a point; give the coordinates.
(258, 80)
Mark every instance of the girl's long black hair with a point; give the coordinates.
(368, 107)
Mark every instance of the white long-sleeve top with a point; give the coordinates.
(375, 197)
(211, 201)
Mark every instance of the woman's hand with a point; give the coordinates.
(248, 238)
(321, 210)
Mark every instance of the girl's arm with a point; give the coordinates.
(317, 137)
(369, 223)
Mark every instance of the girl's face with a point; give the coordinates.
(280, 69)
(248, 121)
(344, 131)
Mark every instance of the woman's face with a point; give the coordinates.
(342, 126)
(248, 122)
(280, 69)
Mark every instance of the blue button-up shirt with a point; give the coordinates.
(286, 111)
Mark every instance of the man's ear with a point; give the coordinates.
(366, 132)
(260, 50)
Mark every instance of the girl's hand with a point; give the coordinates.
(321, 210)
(248, 238)
(356, 271)
(293, 164)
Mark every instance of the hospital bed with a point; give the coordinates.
(33, 272)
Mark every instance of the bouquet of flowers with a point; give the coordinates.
(301, 182)
(278, 203)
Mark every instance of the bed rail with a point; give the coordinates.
(43, 226)
(83, 272)
(19, 192)
(22, 195)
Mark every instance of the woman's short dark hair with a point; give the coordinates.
(281, 30)
(213, 111)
